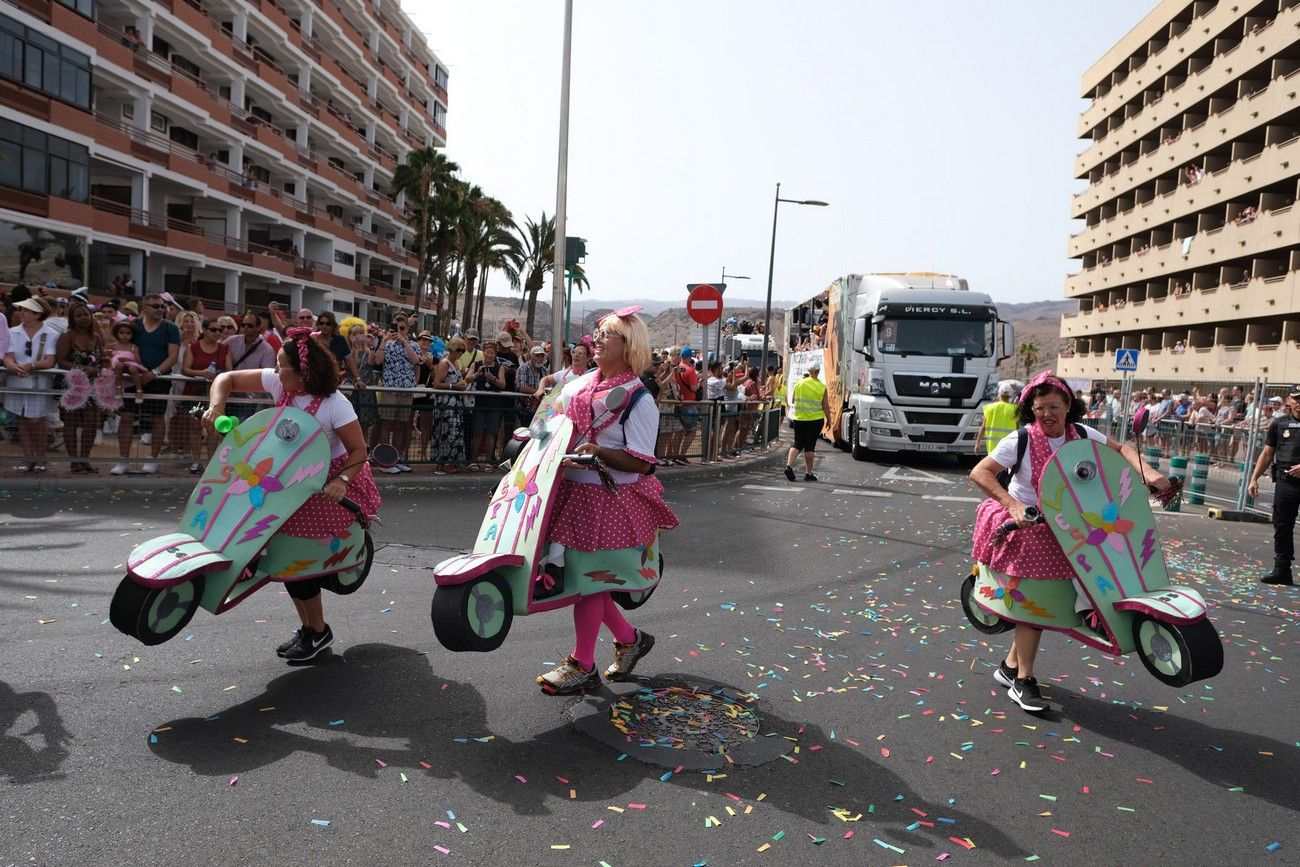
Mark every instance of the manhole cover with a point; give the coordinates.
(674, 723)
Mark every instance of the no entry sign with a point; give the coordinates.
(704, 304)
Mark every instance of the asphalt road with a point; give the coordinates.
(823, 616)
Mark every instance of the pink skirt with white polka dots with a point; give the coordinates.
(590, 518)
(320, 518)
(1029, 552)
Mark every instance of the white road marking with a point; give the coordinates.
(947, 499)
(794, 490)
(862, 493)
(893, 474)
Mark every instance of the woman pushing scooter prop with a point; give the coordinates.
(1048, 414)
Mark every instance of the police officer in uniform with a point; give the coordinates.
(1282, 450)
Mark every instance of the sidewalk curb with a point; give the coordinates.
(416, 481)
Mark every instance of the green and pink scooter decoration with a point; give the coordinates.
(226, 546)
(1098, 512)
(479, 593)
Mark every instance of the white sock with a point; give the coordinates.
(555, 554)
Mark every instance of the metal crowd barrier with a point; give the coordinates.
(448, 429)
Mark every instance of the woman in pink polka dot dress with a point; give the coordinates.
(588, 517)
(307, 377)
(1048, 416)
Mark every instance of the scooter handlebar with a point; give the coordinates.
(223, 424)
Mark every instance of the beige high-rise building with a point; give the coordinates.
(1190, 247)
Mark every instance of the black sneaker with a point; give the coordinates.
(809, 477)
(293, 639)
(309, 646)
(1005, 675)
(789, 472)
(1278, 576)
(1024, 692)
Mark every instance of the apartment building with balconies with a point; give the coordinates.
(238, 151)
(1190, 239)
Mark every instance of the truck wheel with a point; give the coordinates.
(152, 615)
(1178, 655)
(989, 624)
(859, 452)
(473, 616)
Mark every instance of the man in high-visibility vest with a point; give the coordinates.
(808, 410)
(999, 420)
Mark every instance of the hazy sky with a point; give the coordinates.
(942, 133)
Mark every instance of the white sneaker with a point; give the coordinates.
(403, 468)
(99, 437)
(149, 468)
(392, 471)
(119, 469)
(146, 439)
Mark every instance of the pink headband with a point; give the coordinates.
(1049, 379)
(302, 335)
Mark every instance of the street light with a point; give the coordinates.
(767, 308)
(719, 347)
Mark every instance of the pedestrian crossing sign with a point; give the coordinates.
(1126, 359)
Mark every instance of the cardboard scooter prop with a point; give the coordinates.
(226, 545)
(478, 594)
(1096, 506)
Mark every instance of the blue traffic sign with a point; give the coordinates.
(1126, 359)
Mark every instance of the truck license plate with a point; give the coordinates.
(931, 447)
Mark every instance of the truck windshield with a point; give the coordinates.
(951, 337)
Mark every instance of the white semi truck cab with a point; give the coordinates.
(910, 359)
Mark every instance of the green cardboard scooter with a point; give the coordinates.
(226, 546)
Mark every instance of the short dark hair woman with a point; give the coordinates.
(307, 377)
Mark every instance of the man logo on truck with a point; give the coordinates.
(935, 385)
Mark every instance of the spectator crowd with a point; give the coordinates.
(126, 371)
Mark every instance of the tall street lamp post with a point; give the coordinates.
(771, 260)
(561, 198)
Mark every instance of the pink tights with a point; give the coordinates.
(588, 615)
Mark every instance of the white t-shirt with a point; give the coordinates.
(1004, 454)
(335, 411)
(714, 388)
(637, 437)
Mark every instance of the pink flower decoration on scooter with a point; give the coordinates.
(1108, 527)
(255, 482)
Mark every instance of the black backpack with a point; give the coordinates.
(1022, 443)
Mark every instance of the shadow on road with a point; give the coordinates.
(1221, 757)
(386, 692)
(20, 763)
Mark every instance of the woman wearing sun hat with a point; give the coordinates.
(32, 345)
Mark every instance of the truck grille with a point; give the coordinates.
(945, 419)
(934, 436)
(939, 385)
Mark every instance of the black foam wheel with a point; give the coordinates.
(989, 624)
(1178, 655)
(154, 615)
(632, 600)
(350, 581)
(474, 616)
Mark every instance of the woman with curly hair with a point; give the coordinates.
(306, 376)
(80, 351)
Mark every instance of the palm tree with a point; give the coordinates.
(537, 241)
(497, 249)
(425, 177)
(1028, 353)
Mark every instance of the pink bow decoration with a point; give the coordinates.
(631, 310)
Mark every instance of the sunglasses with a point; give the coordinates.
(212, 330)
(227, 328)
(324, 324)
(156, 306)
